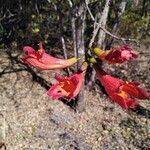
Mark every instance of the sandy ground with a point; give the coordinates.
(30, 120)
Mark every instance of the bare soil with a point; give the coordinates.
(30, 120)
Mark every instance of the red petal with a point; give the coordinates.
(134, 83)
(125, 103)
(37, 64)
(55, 92)
(48, 59)
(135, 91)
(78, 80)
(67, 86)
(29, 51)
(131, 103)
(110, 83)
(44, 61)
(59, 77)
(120, 55)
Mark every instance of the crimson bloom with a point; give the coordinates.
(41, 60)
(68, 87)
(121, 92)
(115, 55)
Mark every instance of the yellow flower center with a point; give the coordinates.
(123, 94)
(67, 87)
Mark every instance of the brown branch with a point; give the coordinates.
(105, 30)
(119, 38)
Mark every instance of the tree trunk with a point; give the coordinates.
(117, 21)
(101, 36)
(78, 14)
(102, 22)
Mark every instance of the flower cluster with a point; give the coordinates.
(121, 92)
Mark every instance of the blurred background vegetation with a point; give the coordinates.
(26, 22)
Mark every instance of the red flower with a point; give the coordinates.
(40, 59)
(115, 55)
(68, 87)
(121, 91)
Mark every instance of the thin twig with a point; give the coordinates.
(119, 38)
(65, 53)
(105, 30)
(94, 35)
(64, 47)
(58, 9)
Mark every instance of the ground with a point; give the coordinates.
(30, 120)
